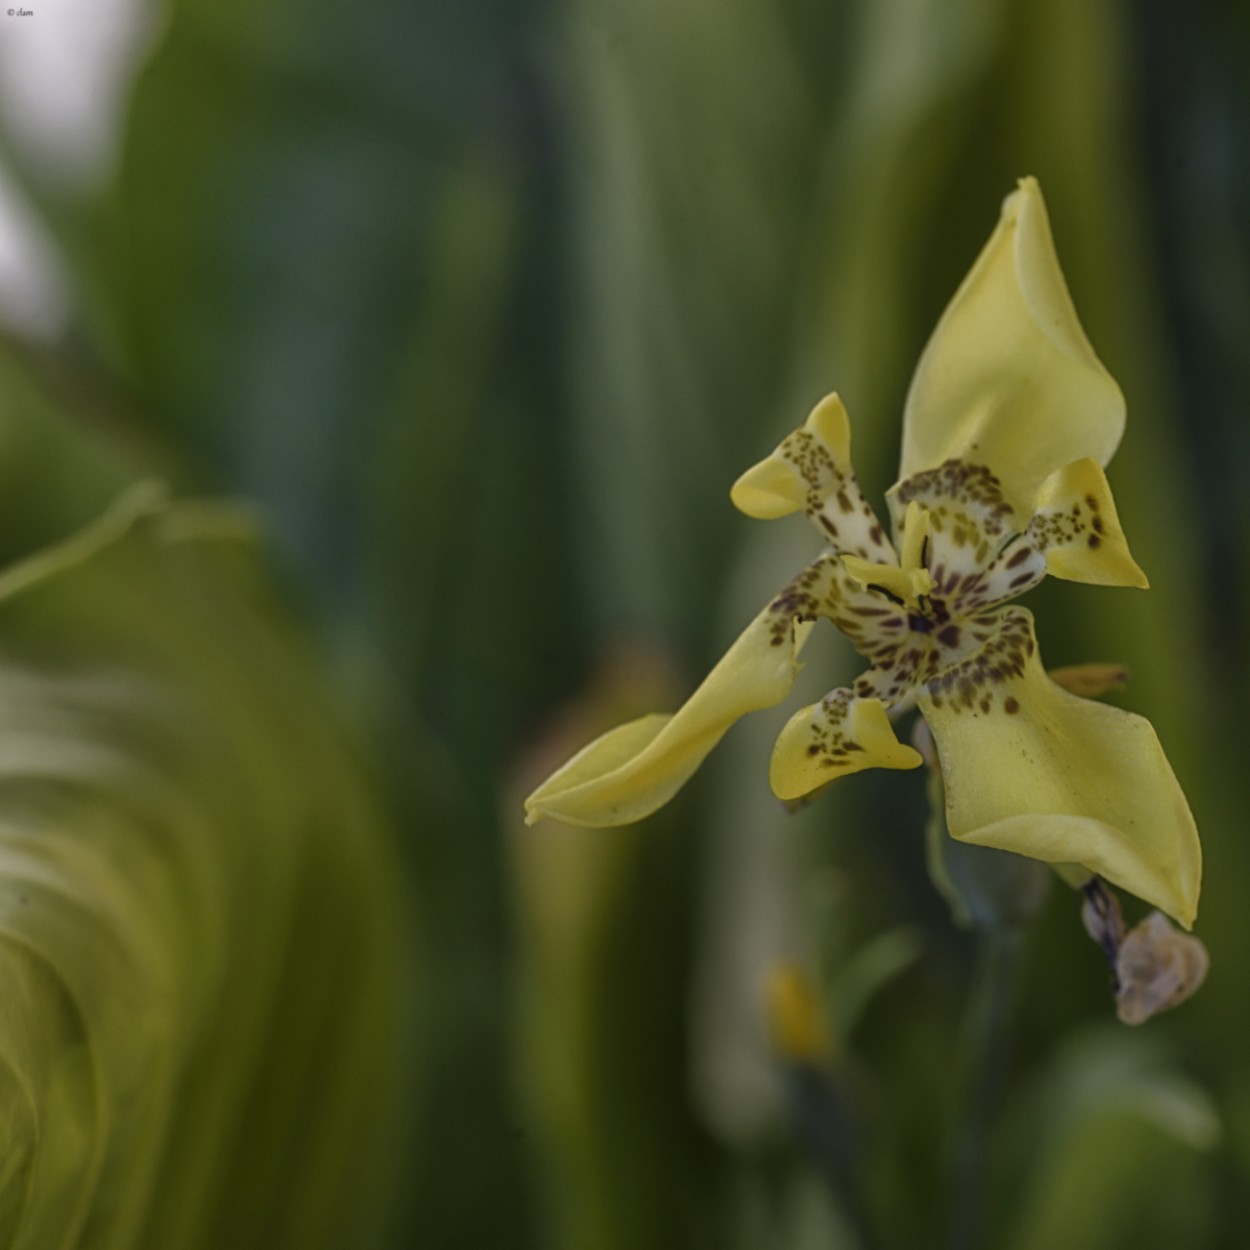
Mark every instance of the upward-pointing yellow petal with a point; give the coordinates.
(1009, 379)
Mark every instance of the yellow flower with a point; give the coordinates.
(1008, 423)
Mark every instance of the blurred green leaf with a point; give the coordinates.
(1116, 1146)
(200, 935)
(867, 972)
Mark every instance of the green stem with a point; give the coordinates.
(824, 1120)
(987, 1059)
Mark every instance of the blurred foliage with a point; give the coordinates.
(483, 307)
(203, 942)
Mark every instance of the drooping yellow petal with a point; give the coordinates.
(843, 733)
(811, 471)
(1076, 526)
(633, 770)
(1009, 379)
(1033, 769)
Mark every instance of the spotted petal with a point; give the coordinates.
(633, 770)
(843, 733)
(811, 471)
(1030, 768)
(1009, 379)
(1075, 524)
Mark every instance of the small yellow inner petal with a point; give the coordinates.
(910, 582)
(909, 586)
(916, 524)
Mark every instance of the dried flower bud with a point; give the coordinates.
(1158, 967)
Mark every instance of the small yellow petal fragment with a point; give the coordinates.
(1009, 379)
(636, 768)
(1090, 680)
(782, 482)
(1033, 769)
(799, 1033)
(1076, 526)
(841, 734)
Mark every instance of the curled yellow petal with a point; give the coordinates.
(1033, 769)
(769, 490)
(806, 468)
(811, 471)
(636, 768)
(1076, 525)
(842, 734)
(1009, 379)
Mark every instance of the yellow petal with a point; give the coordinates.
(1033, 769)
(915, 531)
(811, 471)
(811, 462)
(636, 768)
(1076, 525)
(841, 734)
(769, 490)
(904, 586)
(1009, 379)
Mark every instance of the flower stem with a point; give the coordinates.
(824, 1120)
(987, 1063)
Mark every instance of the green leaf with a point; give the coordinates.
(1116, 1148)
(200, 946)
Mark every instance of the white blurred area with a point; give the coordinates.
(34, 297)
(65, 77)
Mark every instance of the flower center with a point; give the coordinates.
(909, 582)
